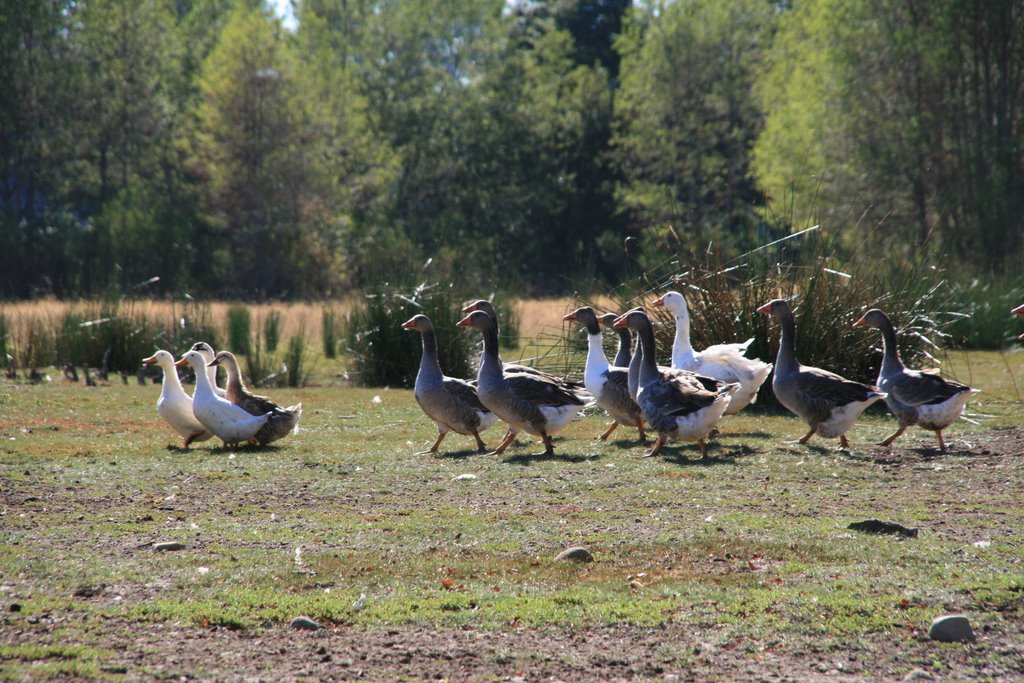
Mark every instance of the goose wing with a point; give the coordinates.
(542, 390)
(464, 391)
(820, 391)
(917, 388)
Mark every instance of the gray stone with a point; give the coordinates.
(951, 628)
(305, 624)
(918, 675)
(168, 545)
(577, 554)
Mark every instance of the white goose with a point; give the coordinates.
(227, 421)
(174, 405)
(724, 362)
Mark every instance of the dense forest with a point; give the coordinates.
(201, 146)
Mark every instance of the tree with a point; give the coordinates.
(686, 120)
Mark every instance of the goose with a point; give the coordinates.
(624, 353)
(281, 422)
(208, 354)
(1019, 311)
(487, 307)
(827, 402)
(453, 404)
(674, 407)
(608, 385)
(693, 379)
(228, 422)
(915, 397)
(174, 405)
(725, 362)
(538, 406)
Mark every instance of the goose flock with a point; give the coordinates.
(232, 413)
(685, 401)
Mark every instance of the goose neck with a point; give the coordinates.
(890, 348)
(786, 360)
(429, 365)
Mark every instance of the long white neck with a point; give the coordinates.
(211, 374)
(203, 386)
(597, 363)
(682, 352)
(171, 386)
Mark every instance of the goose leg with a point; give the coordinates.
(942, 444)
(509, 438)
(808, 436)
(640, 428)
(703, 450)
(433, 449)
(481, 447)
(657, 446)
(892, 437)
(253, 442)
(843, 443)
(549, 448)
(608, 433)
(192, 437)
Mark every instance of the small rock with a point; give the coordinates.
(15, 607)
(89, 590)
(951, 628)
(464, 477)
(168, 545)
(305, 624)
(577, 554)
(918, 675)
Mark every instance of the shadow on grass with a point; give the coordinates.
(530, 458)
(688, 455)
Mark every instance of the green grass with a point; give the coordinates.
(751, 547)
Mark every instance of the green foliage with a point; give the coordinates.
(272, 330)
(296, 361)
(240, 330)
(984, 306)
(385, 354)
(329, 332)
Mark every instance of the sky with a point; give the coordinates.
(283, 9)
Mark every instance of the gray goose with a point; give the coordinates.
(608, 385)
(513, 368)
(281, 421)
(537, 406)
(452, 403)
(624, 353)
(914, 397)
(672, 405)
(827, 402)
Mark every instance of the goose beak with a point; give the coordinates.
(571, 316)
(465, 322)
(660, 301)
(149, 361)
(767, 308)
(213, 363)
(181, 363)
(469, 309)
(409, 324)
(860, 323)
(620, 323)
(1018, 311)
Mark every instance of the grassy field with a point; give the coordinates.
(738, 567)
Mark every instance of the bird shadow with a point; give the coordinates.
(463, 454)
(753, 435)
(717, 454)
(530, 458)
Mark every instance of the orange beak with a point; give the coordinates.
(465, 321)
(861, 322)
(571, 316)
(767, 308)
(181, 363)
(620, 323)
(469, 309)
(149, 361)
(1018, 311)
(409, 324)
(660, 301)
